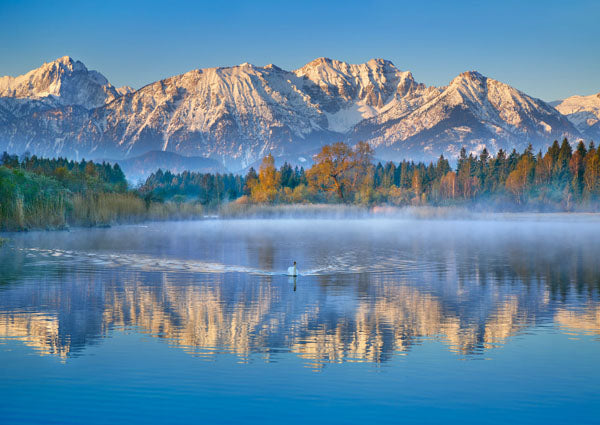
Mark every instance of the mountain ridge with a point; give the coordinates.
(238, 114)
(583, 112)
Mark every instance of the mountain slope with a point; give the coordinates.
(349, 93)
(238, 114)
(583, 112)
(472, 111)
(47, 110)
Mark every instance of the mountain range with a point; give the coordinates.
(236, 115)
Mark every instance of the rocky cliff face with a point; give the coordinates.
(238, 114)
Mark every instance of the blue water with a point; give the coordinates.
(391, 321)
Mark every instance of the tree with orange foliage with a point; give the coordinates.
(265, 190)
(339, 169)
(518, 181)
(543, 170)
(448, 185)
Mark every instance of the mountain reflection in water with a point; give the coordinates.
(370, 289)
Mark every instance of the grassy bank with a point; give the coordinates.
(33, 201)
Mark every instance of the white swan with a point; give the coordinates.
(292, 271)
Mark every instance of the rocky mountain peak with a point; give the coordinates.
(324, 65)
(381, 62)
(273, 67)
(584, 112)
(469, 79)
(123, 90)
(64, 81)
(67, 62)
(238, 114)
(373, 83)
(322, 61)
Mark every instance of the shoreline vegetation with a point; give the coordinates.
(39, 193)
(55, 194)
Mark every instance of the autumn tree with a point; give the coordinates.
(518, 181)
(339, 169)
(560, 177)
(448, 185)
(268, 182)
(251, 181)
(417, 184)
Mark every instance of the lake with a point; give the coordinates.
(485, 321)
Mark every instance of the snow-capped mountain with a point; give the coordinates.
(472, 111)
(583, 112)
(348, 94)
(238, 114)
(63, 82)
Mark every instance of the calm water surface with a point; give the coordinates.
(390, 321)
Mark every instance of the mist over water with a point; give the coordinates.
(407, 299)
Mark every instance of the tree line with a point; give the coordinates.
(55, 193)
(208, 189)
(559, 179)
(39, 192)
(76, 176)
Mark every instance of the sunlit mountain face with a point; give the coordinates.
(368, 291)
(236, 115)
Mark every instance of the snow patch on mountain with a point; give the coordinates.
(343, 120)
(583, 111)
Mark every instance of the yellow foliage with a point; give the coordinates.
(340, 170)
(265, 190)
(448, 185)
(398, 196)
(591, 175)
(518, 180)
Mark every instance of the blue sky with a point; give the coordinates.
(549, 49)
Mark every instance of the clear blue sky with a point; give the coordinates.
(549, 49)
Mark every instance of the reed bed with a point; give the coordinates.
(87, 210)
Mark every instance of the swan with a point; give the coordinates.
(292, 271)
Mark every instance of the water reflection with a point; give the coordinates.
(365, 296)
(586, 321)
(35, 330)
